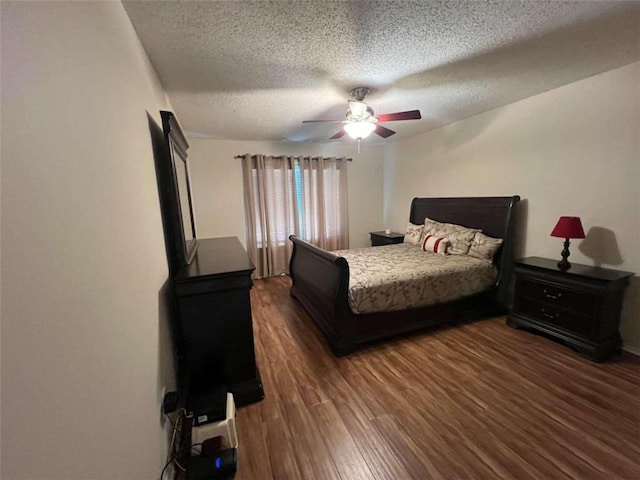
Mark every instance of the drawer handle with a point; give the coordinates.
(549, 295)
(549, 315)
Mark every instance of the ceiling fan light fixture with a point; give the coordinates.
(359, 129)
(361, 121)
(357, 109)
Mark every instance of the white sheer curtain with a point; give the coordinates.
(302, 196)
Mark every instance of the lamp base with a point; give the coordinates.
(564, 265)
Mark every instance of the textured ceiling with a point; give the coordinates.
(254, 70)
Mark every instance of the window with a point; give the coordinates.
(301, 196)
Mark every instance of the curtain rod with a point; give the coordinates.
(296, 156)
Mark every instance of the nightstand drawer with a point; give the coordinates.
(558, 317)
(557, 296)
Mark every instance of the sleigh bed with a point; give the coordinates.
(320, 279)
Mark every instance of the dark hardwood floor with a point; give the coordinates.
(478, 400)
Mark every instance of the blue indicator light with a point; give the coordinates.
(218, 462)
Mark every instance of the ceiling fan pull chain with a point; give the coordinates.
(358, 145)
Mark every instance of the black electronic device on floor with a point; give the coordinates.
(220, 465)
(207, 404)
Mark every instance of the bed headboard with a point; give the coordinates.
(492, 215)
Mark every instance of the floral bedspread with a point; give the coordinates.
(403, 276)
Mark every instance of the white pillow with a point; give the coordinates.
(435, 244)
(484, 247)
(413, 234)
(460, 238)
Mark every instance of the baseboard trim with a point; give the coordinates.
(633, 350)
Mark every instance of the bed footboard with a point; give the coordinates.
(320, 282)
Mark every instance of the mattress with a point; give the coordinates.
(403, 276)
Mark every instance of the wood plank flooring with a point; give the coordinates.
(477, 400)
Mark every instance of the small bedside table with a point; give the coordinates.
(581, 306)
(381, 238)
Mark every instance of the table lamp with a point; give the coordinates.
(567, 227)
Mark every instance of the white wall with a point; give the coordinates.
(571, 151)
(85, 349)
(218, 192)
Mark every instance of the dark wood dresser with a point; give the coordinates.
(382, 238)
(581, 306)
(215, 320)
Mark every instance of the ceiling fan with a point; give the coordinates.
(362, 121)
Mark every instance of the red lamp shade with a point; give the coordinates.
(568, 227)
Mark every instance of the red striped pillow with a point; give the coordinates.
(434, 244)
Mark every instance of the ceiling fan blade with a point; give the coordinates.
(384, 132)
(340, 134)
(319, 121)
(391, 117)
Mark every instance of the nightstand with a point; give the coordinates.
(580, 307)
(381, 238)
